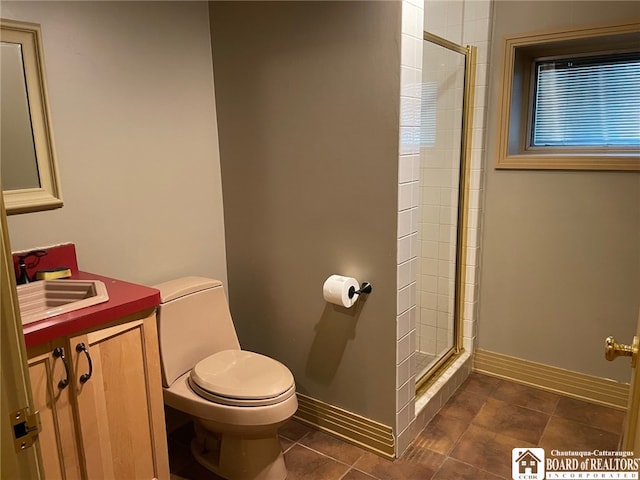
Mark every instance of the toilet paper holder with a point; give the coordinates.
(366, 287)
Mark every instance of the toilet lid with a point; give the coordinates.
(242, 375)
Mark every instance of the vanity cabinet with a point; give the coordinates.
(53, 400)
(108, 422)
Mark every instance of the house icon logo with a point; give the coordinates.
(527, 463)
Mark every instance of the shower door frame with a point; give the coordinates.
(449, 357)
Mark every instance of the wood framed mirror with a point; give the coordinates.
(29, 174)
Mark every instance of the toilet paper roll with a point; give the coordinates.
(336, 290)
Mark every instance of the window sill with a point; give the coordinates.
(569, 162)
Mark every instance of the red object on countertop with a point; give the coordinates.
(124, 299)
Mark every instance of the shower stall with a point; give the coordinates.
(445, 130)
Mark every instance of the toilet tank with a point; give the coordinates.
(193, 322)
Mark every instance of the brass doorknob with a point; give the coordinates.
(613, 349)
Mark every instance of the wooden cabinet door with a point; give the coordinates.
(120, 407)
(51, 387)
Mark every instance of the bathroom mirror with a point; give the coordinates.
(28, 169)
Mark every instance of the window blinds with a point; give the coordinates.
(587, 102)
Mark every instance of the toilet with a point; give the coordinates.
(237, 399)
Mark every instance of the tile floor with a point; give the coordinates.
(471, 437)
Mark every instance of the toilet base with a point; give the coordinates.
(239, 458)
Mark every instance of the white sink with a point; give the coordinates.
(48, 298)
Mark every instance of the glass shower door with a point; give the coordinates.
(446, 94)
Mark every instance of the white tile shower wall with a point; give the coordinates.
(476, 31)
(463, 22)
(408, 195)
(445, 18)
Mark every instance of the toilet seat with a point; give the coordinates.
(241, 378)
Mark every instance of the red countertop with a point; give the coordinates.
(124, 299)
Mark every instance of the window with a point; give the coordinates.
(590, 102)
(571, 100)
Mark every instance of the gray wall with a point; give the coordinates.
(560, 265)
(307, 98)
(133, 110)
